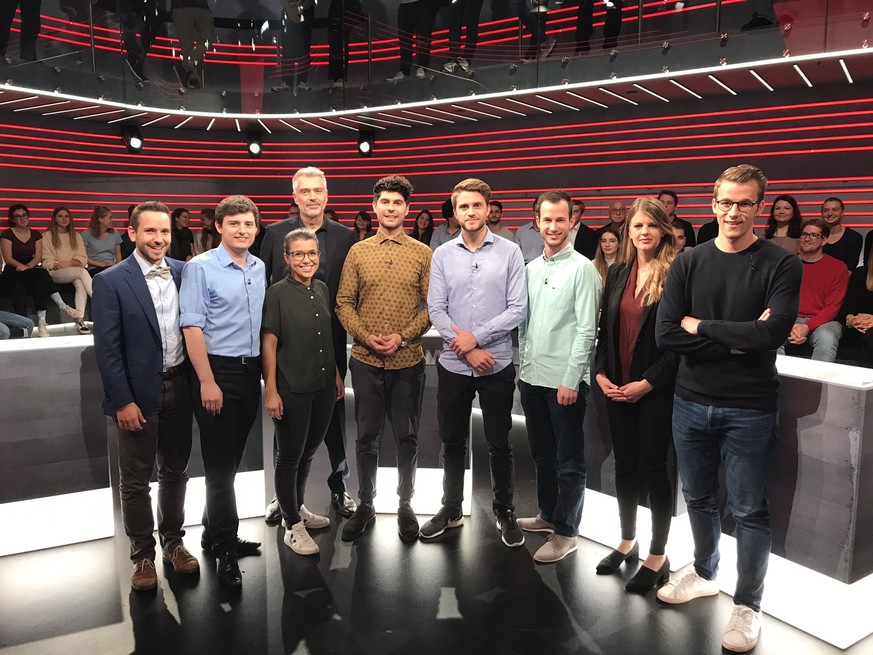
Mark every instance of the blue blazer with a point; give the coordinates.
(127, 340)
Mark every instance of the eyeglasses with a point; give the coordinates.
(811, 235)
(745, 206)
(621, 210)
(21, 215)
(299, 255)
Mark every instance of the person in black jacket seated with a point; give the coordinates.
(637, 380)
(857, 315)
(844, 243)
(182, 246)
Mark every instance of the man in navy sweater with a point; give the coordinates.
(727, 306)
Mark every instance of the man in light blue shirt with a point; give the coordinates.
(530, 240)
(477, 295)
(556, 344)
(221, 302)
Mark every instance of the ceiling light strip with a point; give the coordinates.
(842, 65)
(50, 104)
(102, 113)
(511, 111)
(9, 102)
(686, 89)
(524, 104)
(66, 111)
(650, 92)
(238, 129)
(211, 123)
(269, 131)
(558, 102)
(435, 118)
(475, 111)
(448, 113)
(124, 118)
(593, 102)
(286, 124)
(330, 122)
(412, 120)
(803, 76)
(615, 95)
(761, 79)
(382, 120)
(182, 123)
(155, 120)
(722, 84)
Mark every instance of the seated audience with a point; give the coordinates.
(63, 256)
(448, 230)
(844, 243)
(495, 214)
(423, 228)
(857, 315)
(102, 241)
(707, 232)
(583, 238)
(784, 225)
(21, 249)
(670, 200)
(529, 239)
(209, 237)
(127, 246)
(822, 292)
(331, 215)
(182, 242)
(678, 239)
(21, 325)
(607, 250)
(363, 225)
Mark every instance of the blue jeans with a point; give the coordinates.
(743, 439)
(10, 321)
(824, 340)
(557, 446)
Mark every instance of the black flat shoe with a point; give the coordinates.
(610, 564)
(646, 579)
(227, 570)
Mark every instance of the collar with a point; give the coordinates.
(489, 238)
(563, 253)
(400, 239)
(144, 266)
(225, 259)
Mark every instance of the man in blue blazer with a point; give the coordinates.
(141, 356)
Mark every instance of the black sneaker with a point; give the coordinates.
(758, 22)
(357, 524)
(407, 523)
(510, 533)
(446, 518)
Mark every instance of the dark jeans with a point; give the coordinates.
(534, 22)
(744, 440)
(557, 445)
(641, 434)
(223, 440)
(464, 13)
(166, 437)
(296, 45)
(342, 17)
(585, 23)
(455, 395)
(195, 28)
(30, 25)
(299, 432)
(140, 17)
(396, 394)
(34, 281)
(415, 19)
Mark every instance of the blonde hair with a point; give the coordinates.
(472, 185)
(55, 232)
(742, 174)
(665, 253)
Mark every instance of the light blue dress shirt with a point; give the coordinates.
(441, 235)
(225, 301)
(481, 291)
(530, 241)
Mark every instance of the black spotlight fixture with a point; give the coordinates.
(366, 141)
(132, 138)
(253, 144)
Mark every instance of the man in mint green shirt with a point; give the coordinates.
(556, 344)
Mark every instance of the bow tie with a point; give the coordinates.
(159, 271)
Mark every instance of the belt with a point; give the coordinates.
(172, 372)
(237, 361)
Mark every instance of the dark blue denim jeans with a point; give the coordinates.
(743, 439)
(557, 445)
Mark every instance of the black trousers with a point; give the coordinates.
(223, 440)
(34, 281)
(641, 436)
(455, 395)
(165, 438)
(585, 23)
(464, 13)
(396, 394)
(30, 25)
(296, 45)
(140, 17)
(342, 17)
(415, 20)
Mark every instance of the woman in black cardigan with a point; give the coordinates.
(638, 381)
(857, 315)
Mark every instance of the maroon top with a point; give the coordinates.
(22, 251)
(630, 313)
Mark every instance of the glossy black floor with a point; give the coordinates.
(464, 594)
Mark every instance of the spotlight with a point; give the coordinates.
(132, 138)
(366, 142)
(253, 141)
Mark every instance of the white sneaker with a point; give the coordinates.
(536, 524)
(688, 587)
(298, 540)
(450, 67)
(399, 76)
(313, 521)
(42, 329)
(463, 64)
(742, 631)
(419, 73)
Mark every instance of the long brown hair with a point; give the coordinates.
(870, 276)
(600, 262)
(55, 231)
(99, 212)
(664, 255)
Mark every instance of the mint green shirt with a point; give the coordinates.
(557, 336)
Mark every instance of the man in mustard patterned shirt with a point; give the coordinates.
(382, 303)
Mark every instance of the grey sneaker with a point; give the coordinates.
(446, 518)
(419, 72)
(399, 76)
(313, 521)
(298, 540)
(536, 524)
(450, 67)
(463, 64)
(556, 548)
(742, 631)
(510, 533)
(279, 88)
(686, 588)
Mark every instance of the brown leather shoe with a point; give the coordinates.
(182, 561)
(144, 577)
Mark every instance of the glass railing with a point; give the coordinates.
(261, 63)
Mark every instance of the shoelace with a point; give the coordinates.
(143, 563)
(741, 615)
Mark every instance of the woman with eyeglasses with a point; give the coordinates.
(21, 247)
(638, 379)
(64, 257)
(785, 222)
(301, 379)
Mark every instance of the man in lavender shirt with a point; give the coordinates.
(477, 295)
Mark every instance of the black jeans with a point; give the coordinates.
(455, 394)
(342, 17)
(34, 281)
(557, 445)
(140, 17)
(296, 45)
(585, 23)
(299, 433)
(464, 13)
(166, 437)
(396, 394)
(415, 20)
(641, 435)
(223, 440)
(30, 25)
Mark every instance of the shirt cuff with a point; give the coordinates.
(192, 320)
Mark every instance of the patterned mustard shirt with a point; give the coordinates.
(383, 290)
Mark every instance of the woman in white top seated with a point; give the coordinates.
(64, 257)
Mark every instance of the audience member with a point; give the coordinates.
(638, 381)
(533, 18)
(414, 23)
(386, 314)
(221, 302)
(28, 30)
(195, 29)
(678, 239)
(22, 325)
(670, 200)
(583, 238)
(63, 256)
(182, 247)
(301, 386)
(146, 380)
(785, 222)
(448, 230)
(857, 315)
(495, 213)
(363, 225)
(102, 241)
(477, 296)
(140, 21)
(297, 23)
(822, 292)
(707, 232)
(585, 25)
(844, 243)
(607, 250)
(530, 240)
(617, 216)
(422, 230)
(21, 250)
(342, 17)
(127, 246)
(463, 13)
(555, 345)
(208, 238)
